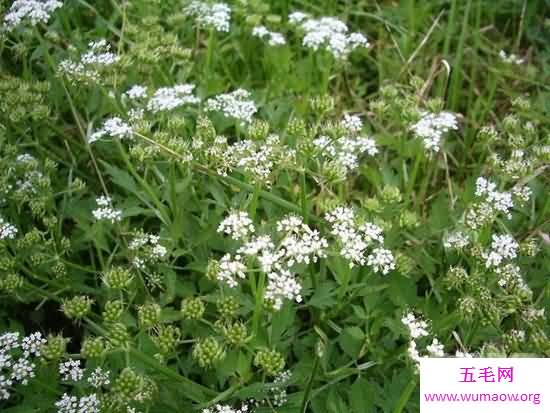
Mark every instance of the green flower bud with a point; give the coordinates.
(166, 339)
(530, 248)
(113, 311)
(207, 352)
(127, 385)
(59, 270)
(390, 92)
(205, 129)
(236, 333)
(77, 307)
(227, 307)
(258, 130)
(456, 277)
(321, 104)
(435, 105)
(55, 347)
(270, 361)
(10, 283)
(405, 264)
(117, 278)
(192, 308)
(408, 219)
(467, 307)
(149, 315)
(212, 270)
(118, 335)
(297, 127)
(93, 348)
(391, 194)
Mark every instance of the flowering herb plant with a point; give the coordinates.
(266, 206)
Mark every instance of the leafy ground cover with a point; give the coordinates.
(267, 206)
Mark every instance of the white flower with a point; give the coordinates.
(105, 210)
(431, 127)
(413, 352)
(33, 11)
(503, 247)
(224, 408)
(282, 285)
(88, 67)
(113, 127)
(136, 92)
(7, 230)
(237, 225)
(257, 245)
(230, 269)
(436, 349)
(147, 249)
(510, 59)
(328, 33)
(5, 384)
(273, 38)
(456, 240)
(236, 104)
(70, 370)
(9, 341)
(217, 15)
(381, 260)
(99, 378)
(346, 151)
(297, 17)
(352, 123)
(463, 354)
(169, 98)
(73, 404)
(417, 327)
(31, 344)
(22, 370)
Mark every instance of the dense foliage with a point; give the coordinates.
(267, 206)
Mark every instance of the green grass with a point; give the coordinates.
(344, 343)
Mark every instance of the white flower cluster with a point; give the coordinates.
(432, 126)
(345, 151)
(297, 244)
(136, 92)
(510, 58)
(7, 230)
(216, 16)
(356, 240)
(418, 329)
(237, 225)
(73, 404)
(236, 104)
(105, 210)
(499, 201)
(169, 98)
(510, 277)
(113, 127)
(328, 33)
(99, 378)
(147, 249)
(70, 370)
(32, 11)
(456, 240)
(88, 69)
(503, 247)
(224, 408)
(352, 123)
(16, 365)
(273, 38)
